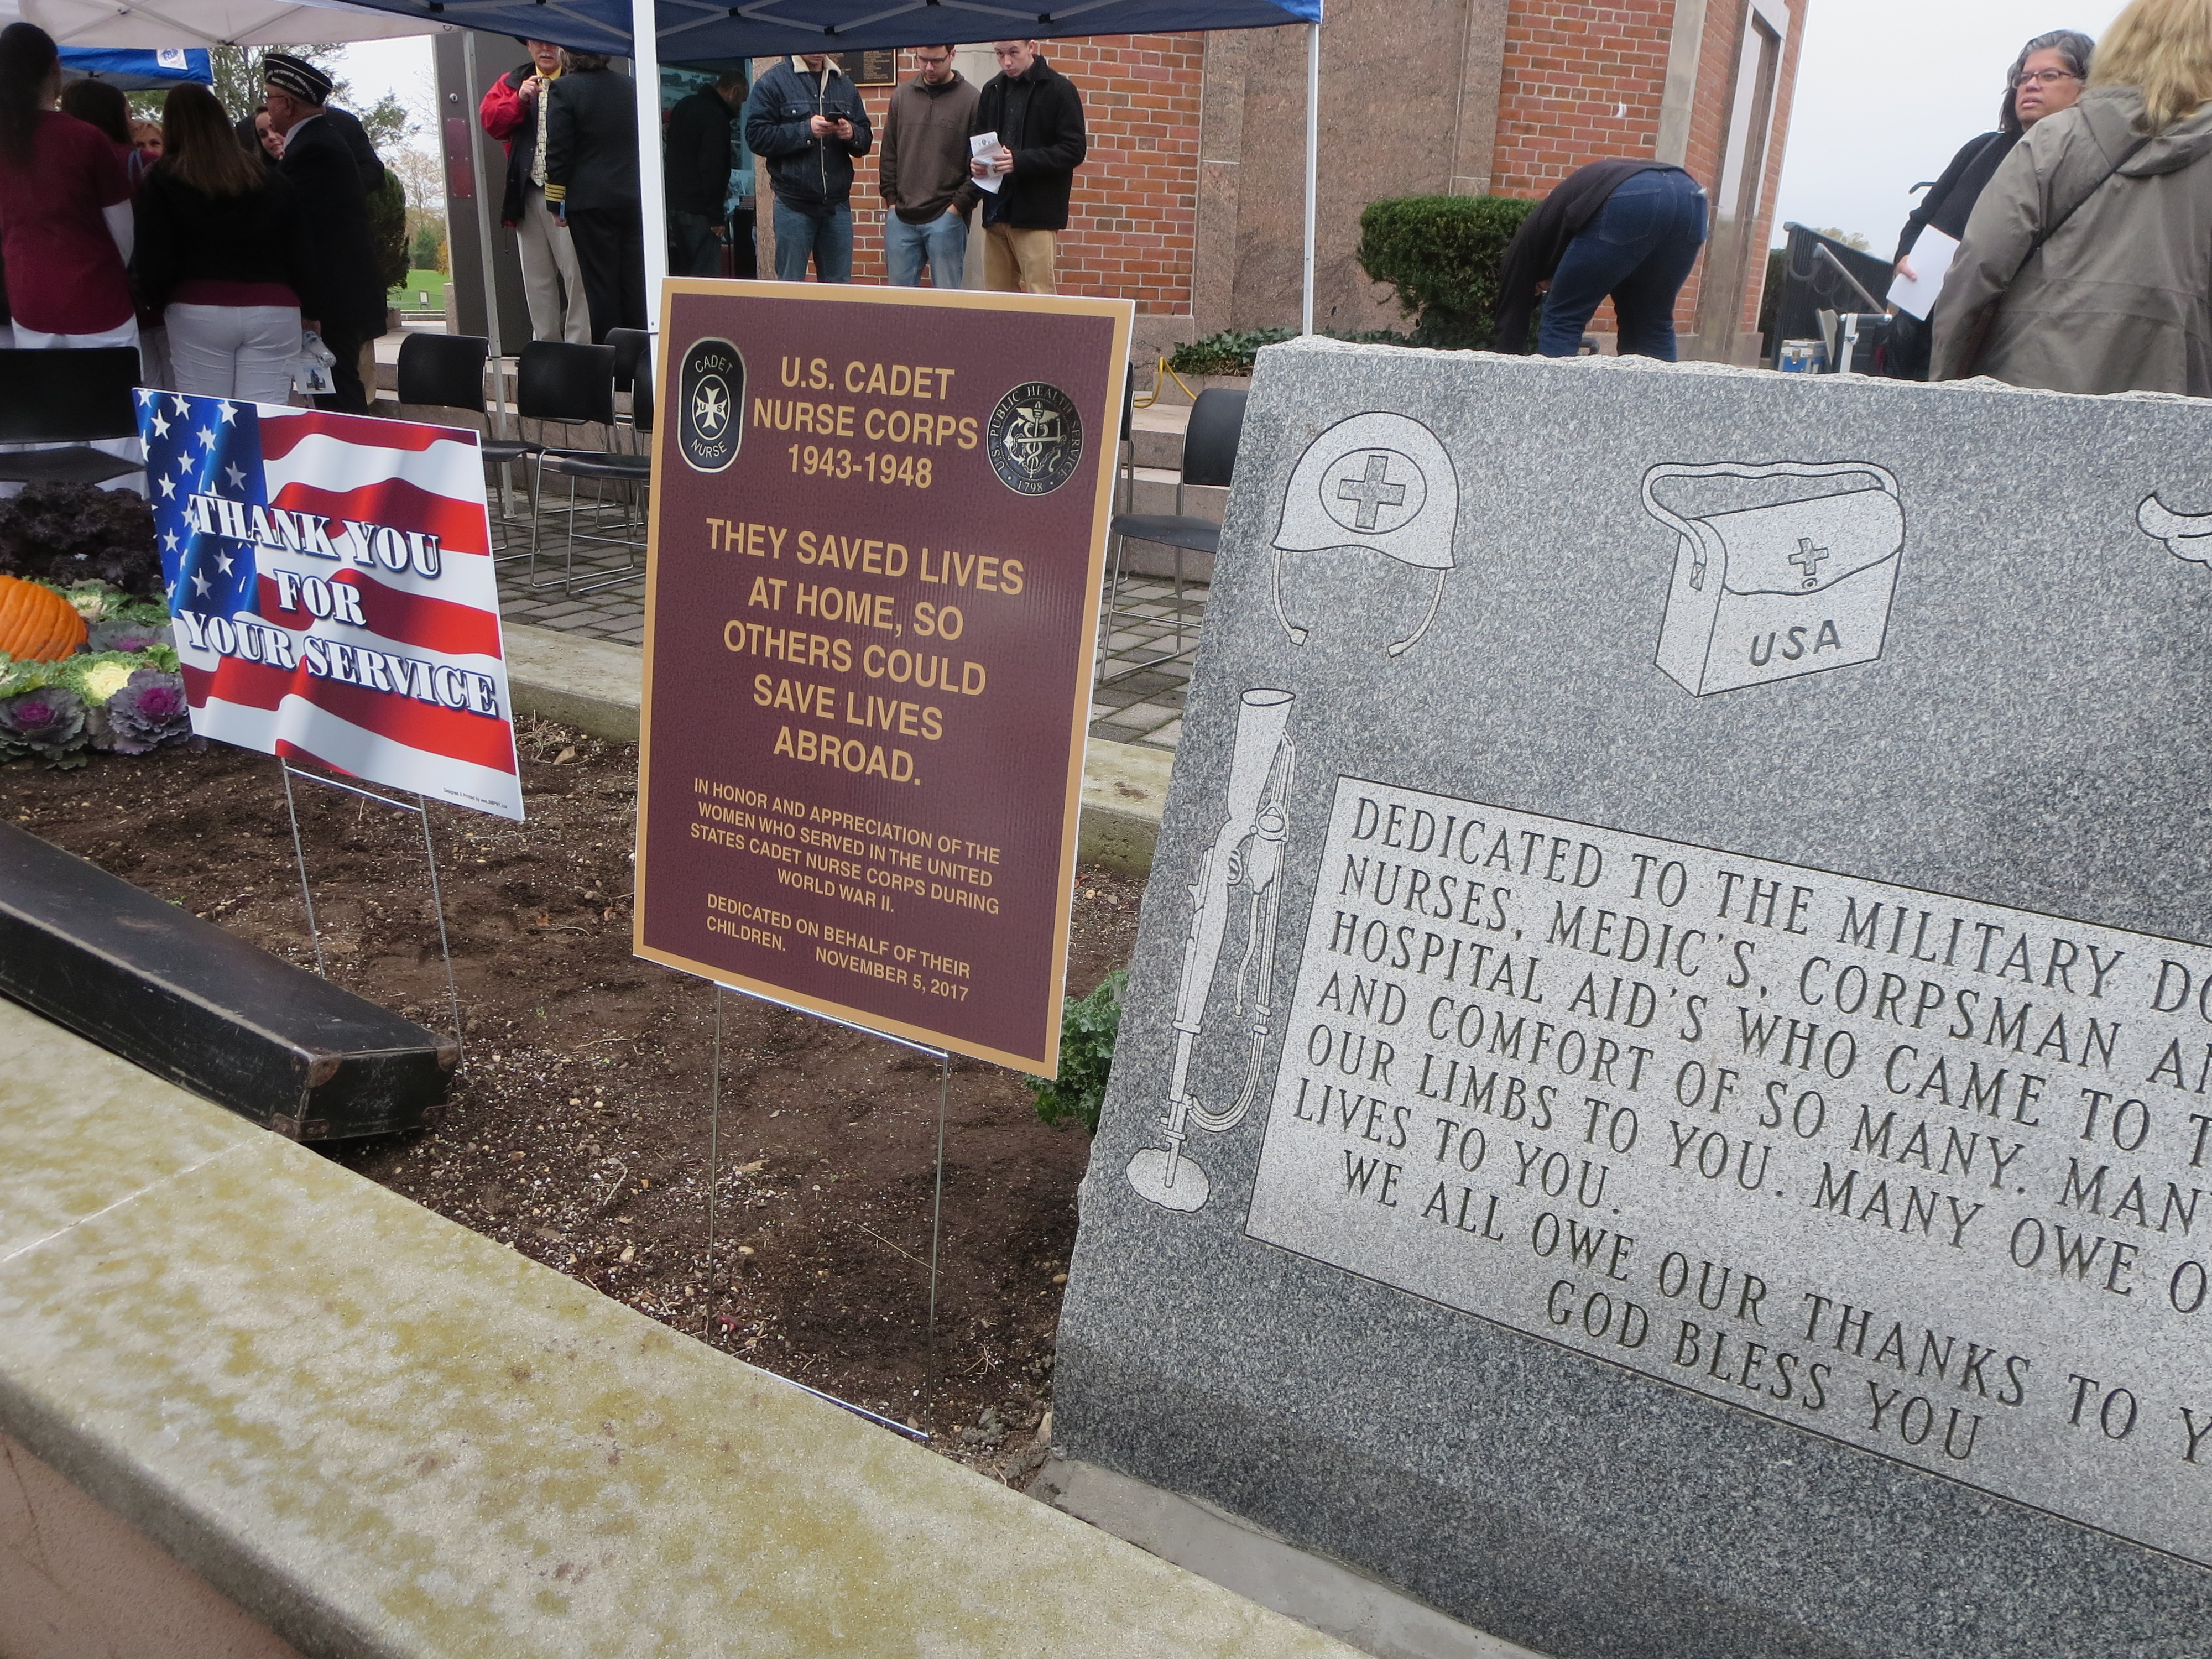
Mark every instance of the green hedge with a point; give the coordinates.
(1232, 352)
(1442, 254)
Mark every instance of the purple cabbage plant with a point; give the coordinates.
(49, 721)
(149, 711)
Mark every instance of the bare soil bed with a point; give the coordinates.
(577, 1130)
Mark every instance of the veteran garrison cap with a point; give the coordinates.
(297, 76)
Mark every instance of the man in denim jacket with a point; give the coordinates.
(806, 120)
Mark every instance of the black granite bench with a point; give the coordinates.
(185, 999)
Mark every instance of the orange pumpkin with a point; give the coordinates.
(36, 623)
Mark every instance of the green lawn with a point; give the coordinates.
(419, 282)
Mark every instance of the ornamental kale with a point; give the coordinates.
(121, 635)
(1087, 1030)
(49, 722)
(149, 711)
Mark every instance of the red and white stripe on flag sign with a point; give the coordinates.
(332, 582)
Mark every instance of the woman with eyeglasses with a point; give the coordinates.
(2086, 265)
(2046, 77)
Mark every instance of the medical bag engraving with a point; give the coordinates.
(1770, 592)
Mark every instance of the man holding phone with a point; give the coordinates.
(806, 120)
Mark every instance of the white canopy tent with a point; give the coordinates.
(211, 23)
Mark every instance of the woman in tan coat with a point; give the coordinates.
(2093, 242)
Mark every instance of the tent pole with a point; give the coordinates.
(1313, 139)
(473, 92)
(653, 199)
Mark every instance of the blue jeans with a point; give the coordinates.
(827, 240)
(943, 241)
(1640, 249)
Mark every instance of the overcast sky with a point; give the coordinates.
(1886, 91)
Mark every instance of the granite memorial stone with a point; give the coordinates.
(1665, 1098)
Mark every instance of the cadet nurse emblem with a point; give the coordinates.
(711, 405)
(1036, 439)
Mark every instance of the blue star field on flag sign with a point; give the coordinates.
(202, 453)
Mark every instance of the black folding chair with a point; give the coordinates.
(630, 473)
(69, 399)
(446, 371)
(633, 346)
(1209, 457)
(557, 384)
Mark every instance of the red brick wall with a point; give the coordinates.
(1132, 224)
(1582, 81)
(1585, 79)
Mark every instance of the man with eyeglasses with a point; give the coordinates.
(1038, 117)
(924, 173)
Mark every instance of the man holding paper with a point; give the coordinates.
(2046, 77)
(1028, 140)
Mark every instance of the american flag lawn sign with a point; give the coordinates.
(330, 579)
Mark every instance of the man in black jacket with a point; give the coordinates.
(321, 166)
(807, 122)
(697, 170)
(1038, 117)
(591, 185)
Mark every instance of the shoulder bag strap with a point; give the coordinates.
(1683, 526)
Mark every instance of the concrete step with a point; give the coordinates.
(1157, 434)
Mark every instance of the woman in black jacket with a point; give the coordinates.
(2046, 77)
(221, 252)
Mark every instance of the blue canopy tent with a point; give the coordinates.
(138, 71)
(697, 31)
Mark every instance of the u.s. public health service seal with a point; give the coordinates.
(710, 406)
(1035, 439)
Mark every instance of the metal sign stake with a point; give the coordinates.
(422, 810)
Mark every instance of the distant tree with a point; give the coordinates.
(386, 122)
(1847, 238)
(424, 175)
(388, 229)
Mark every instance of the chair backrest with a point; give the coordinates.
(1209, 447)
(630, 344)
(1128, 400)
(640, 393)
(556, 381)
(68, 397)
(444, 370)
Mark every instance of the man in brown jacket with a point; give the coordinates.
(924, 173)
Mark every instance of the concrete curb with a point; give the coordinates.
(596, 687)
(379, 1434)
(593, 685)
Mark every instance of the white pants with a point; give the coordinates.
(235, 351)
(126, 449)
(552, 281)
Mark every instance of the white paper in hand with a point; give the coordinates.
(983, 145)
(1930, 257)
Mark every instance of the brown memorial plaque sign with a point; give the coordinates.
(878, 527)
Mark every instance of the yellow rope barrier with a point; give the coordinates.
(1160, 382)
